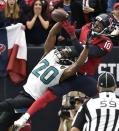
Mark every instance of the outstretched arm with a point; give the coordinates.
(94, 50)
(51, 39)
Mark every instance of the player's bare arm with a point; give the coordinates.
(51, 39)
(72, 69)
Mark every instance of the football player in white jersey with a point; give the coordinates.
(48, 72)
(51, 70)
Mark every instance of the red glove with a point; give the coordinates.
(70, 29)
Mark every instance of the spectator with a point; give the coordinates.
(110, 4)
(72, 7)
(37, 24)
(114, 29)
(101, 112)
(101, 6)
(25, 5)
(2, 5)
(27, 2)
(93, 8)
(11, 14)
(115, 12)
(88, 9)
(51, 7)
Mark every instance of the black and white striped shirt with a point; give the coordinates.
(100, 113)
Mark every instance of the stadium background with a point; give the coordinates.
(47, 119)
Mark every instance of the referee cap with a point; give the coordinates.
(106, 80)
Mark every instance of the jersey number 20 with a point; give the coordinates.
(48, 75)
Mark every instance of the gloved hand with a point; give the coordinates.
(21, 122)
(69, 28)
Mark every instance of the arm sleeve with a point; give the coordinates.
(93, 49)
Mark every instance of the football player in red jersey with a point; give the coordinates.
(100, 45)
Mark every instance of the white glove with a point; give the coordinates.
(115, 31)
(21, 122)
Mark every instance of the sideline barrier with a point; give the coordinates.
(48, 116)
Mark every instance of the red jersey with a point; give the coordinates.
(2, 5)
(102, 42)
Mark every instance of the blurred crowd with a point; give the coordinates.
(35, 15)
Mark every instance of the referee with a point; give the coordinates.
(100, 113)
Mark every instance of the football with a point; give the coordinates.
(59, 15)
